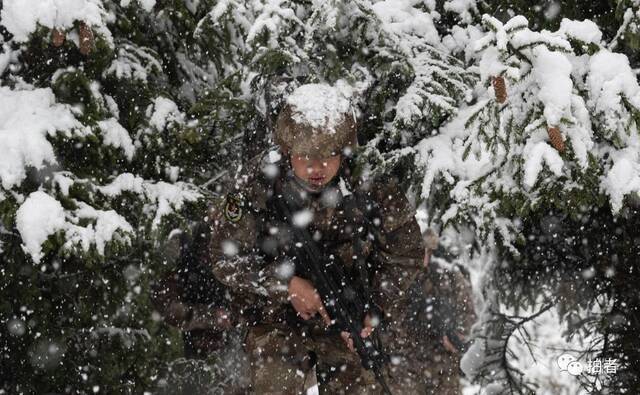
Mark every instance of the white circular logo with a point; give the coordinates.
(564, 360)
(575, 368)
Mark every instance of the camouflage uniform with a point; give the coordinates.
(247, 254)
(425, 303)
(188, 296)
(192, 300)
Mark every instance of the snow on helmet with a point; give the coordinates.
(317, 120)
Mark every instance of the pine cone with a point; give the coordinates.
(556, 138)
(500, 88)
(57, 37)
(86, 39)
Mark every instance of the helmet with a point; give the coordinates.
(317, 120)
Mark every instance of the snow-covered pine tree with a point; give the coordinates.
(543, 167)
(101, 156)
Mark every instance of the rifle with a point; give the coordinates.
(341, 292)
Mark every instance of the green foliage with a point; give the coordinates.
(80, 319)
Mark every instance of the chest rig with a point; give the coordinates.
(337, 219)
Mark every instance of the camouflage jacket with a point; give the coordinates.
(248, 240)
(190, 298)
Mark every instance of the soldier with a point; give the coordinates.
(349, 217)
(192, 300)
(189, 297)
(431, 322)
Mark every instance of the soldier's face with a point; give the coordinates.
(316, 172)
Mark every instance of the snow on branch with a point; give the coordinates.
(497, 156)
(41, 216)
(22, 18)
(164, 197)
(27, 117)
